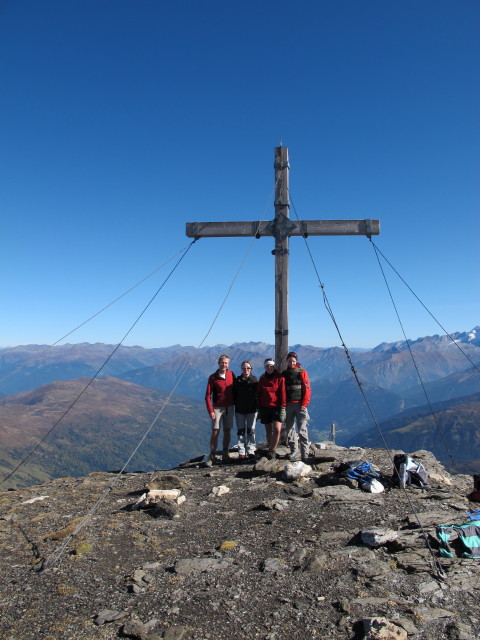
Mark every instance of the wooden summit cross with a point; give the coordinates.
(281, 228)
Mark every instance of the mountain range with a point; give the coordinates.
(99, 432)
(451, 429)
(37, 383)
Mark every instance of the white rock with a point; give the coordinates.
(376, 536)
(163, 494)
(32, 500)
(220, 490)
(295, 470)
(155, 495)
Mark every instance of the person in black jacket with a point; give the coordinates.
(245, 394)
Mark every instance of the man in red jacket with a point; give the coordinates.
(220, 406)
(298, 390)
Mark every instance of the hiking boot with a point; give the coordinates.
(251, 456)
(294, 455)
(225, 457)
(271, 455)
(242, 458)
(212, 459)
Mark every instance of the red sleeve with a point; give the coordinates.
(306, 390)
(208, 396)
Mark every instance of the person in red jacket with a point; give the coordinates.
(220, 406)
(298, 390)
(271, 399)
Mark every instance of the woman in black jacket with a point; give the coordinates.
(245, 394)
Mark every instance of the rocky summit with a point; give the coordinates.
(238, 551)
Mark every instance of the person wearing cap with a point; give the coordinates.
(220, 406)
(245, 394)
(271, 402)
(298, 391)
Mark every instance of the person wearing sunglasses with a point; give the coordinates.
(271, 402)
(245, 394)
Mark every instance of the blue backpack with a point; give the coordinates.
(358, 470)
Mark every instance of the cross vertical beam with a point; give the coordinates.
(282, 214)
(281, 228)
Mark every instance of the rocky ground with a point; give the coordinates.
(269, 559)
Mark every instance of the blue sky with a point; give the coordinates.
(121, 121)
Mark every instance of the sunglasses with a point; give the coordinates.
(246, 367)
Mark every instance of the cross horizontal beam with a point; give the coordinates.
(296, 228)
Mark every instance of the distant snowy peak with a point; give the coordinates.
(470, 337)
(427, 343)
(474, 335)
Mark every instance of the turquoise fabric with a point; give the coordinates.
(468, 534)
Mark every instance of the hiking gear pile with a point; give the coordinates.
(368, 478)
(409, 472)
